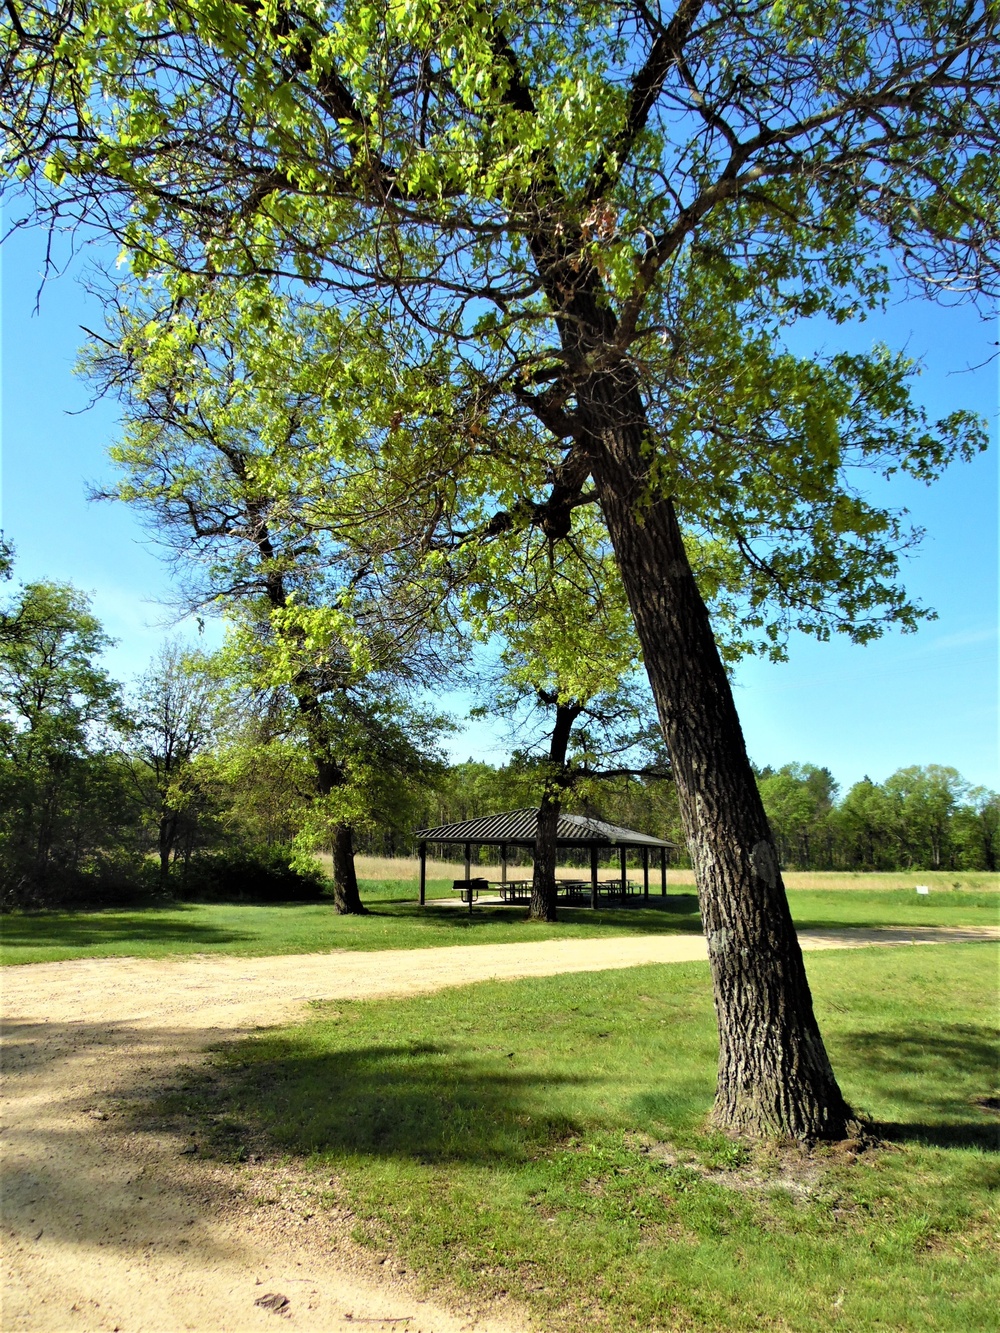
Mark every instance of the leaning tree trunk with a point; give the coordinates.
(774, 1073)
(543, 879)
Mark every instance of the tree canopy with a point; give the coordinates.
(697, 179)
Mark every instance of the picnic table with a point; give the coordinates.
(510, 890)
(567, 890)
(579, 890)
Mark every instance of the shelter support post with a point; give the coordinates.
(663, 871)
(624, 866)
(503, 863)
(423, 873)
(468, 860)
(593, 876)
(645, 874)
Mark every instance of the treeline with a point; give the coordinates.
(926, 818)
(178, 784)
(182, 784)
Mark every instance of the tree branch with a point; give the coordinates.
(647, 85)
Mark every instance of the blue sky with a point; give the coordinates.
(914, 699)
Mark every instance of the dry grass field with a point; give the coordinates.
(403, 868)
(407, 868)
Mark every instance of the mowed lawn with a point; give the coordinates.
(397, 922)
(545, 1140)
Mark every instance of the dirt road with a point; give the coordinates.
(106, 1228)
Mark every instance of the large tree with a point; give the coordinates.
(600, 216)
(264, 494)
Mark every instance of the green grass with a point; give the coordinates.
(814, 909)
(396, 922)
(852, 880)
(250, 931)
(545, 1139)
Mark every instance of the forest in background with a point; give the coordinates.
(185, 783)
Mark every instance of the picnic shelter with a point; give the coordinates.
(519, 828)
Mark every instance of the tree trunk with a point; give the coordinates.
(330, 776)
(936, 847)
(346, 898)
(165, 845)
(46, 830)
(164, 865)
(543, 880)
(774, 1073)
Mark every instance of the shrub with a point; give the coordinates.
(251, 874)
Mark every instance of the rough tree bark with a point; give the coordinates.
(774, 1073)
(543, 880)
(346, 897)
(330, 776)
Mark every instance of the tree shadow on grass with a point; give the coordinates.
(985, 1136)
(424, 1102)
(944, 1073)
(676, 912)
(75, 1176)
(97, 1186)
(81, 930)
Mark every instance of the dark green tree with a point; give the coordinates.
(65, 805)
(865, 821)
(976, 830)
(799, 799)
(923, 800)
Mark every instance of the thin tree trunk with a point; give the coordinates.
(329, 774)
(46, 832)
(164, 864)
(165, 841)
(774, 1073)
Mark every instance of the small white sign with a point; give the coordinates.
(923, 888)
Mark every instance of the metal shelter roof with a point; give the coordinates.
(518, 828)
